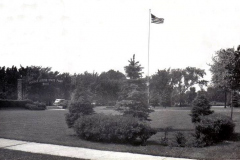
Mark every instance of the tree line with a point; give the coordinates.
(168, 87)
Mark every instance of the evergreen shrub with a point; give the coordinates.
(201, 107)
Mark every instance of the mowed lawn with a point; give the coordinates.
(49, 126)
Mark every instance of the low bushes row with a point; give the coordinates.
(210, 130)
(113, 128)
(27, 104)
(35, 106)
(5, 103)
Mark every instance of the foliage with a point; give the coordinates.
(35, 106)
(134, 69)
(218, 68)
(161, 87)
(5, 103)
(222, 69)
(216, 94)
(191, 95)
(183, 79)
(213, 128)
(164, 140)
(27, 104)
(35, 91)
(8, 79)
(169, 86)
(112, 128)
(233, 71)
(180, 139)
(49, 92)
(201, 108)
(133, 99)
(108, 86)
(80, 105)
(76, 110)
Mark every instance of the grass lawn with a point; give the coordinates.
(49, 126)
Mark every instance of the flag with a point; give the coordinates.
(156, 19)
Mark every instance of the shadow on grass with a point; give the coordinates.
(170, 129)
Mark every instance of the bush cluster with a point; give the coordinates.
(212, 129)
(112, 128)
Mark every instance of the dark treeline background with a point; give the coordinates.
(168, 87)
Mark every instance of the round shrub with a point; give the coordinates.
(213, 128)
(113, 128)
(201, 108)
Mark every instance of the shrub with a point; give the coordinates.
(212, 129)
(35, 106)
(180, 139)
(112, 128)
(76, 110)
(201, 108)
(164, 140)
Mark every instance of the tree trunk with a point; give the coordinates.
(231, 105)
(225, 100)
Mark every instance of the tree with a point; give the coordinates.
(161, 87)
(81, 105)
(220, 61)
(233, 71)
(191, 95)
(215, 94)
(133, 99)
(108, 86)
(134, 69)
(2, 83)
(183, 79)
(12, 76)
(201, 108)
(233, 77)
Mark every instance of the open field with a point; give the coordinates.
(49, 127)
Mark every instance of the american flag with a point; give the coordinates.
(156, 19)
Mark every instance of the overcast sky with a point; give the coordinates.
(97, 35)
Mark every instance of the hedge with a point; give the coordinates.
(6, 103)
(23, 104)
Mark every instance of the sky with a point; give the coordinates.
(98, 35)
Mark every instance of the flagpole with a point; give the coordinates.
(148, 57)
